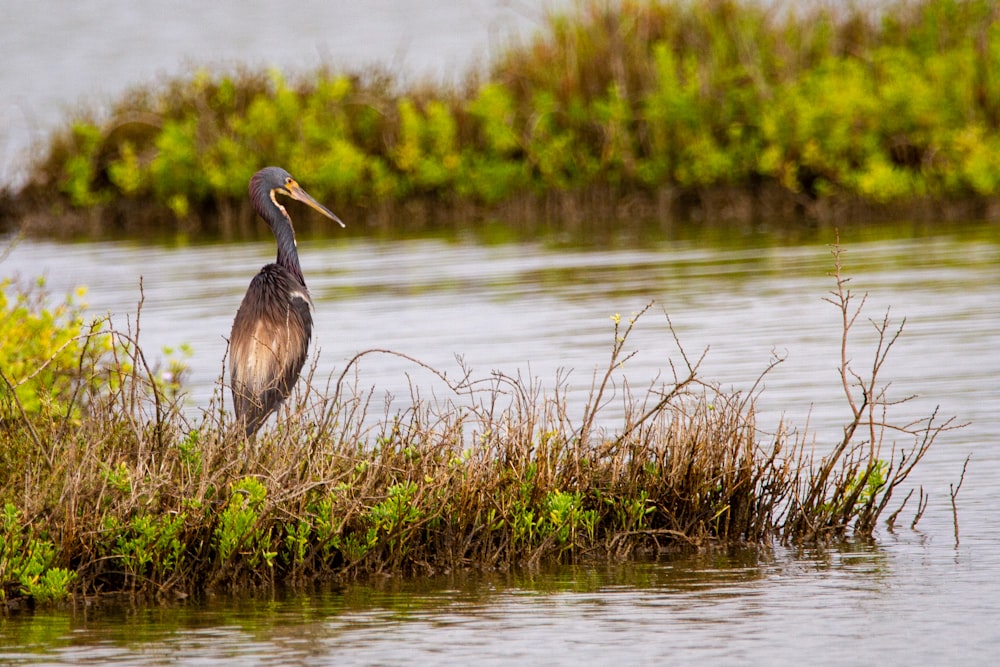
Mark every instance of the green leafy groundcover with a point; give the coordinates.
(882, 105)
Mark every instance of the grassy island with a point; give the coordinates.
(109, 484)
(613, 112)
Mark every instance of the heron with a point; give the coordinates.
(273, 326)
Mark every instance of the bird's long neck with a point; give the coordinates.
(288, 254)
(281, 226)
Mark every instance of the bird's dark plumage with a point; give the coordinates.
(273, 326)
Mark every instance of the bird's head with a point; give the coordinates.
(273, 181)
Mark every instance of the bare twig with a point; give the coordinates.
(24, 417)
(891, 521)
(922, 501)
(953, 492)
(597, 392)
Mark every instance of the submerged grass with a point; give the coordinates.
(616, 111)
(112, 487)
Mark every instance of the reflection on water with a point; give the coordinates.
(537, 309)
(778, 607)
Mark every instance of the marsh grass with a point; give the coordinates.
(119, 489)
(613, 112)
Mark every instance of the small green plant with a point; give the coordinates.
(874, 481)
(398, 509)
(118, 477)
(565, 518)
(324, 524)
(149, 546)
(394, 517)
(863, 487)
(27, 561)
(190, 454)
(356, 545)
(239, 531)
(52, 585)
(297, 541)
(632, 514)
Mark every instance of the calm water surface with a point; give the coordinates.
(914, 597)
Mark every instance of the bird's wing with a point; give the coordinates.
(268, 346)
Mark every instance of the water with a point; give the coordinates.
(789, 610)
(913, 597)
(525, 308)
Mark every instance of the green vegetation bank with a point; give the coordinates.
(614, 111)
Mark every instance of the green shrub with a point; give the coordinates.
(27, 560)
(42, 350)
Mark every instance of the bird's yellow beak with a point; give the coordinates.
(295, 191)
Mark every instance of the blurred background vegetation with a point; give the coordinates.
(726, 108)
